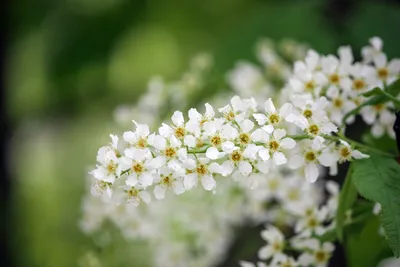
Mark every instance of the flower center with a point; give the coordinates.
(321, 256)
(293, 194)
(236, 156)
(312, 222)
(244, 138)
(132, 193)
(273, 146)
(273, 184)
(216, 140)
(309, 86)
(274, 118)
(230, 116)
(170, 152)
(307, 113)
(137, 167)
(277, 246)
(378, 107)
(111, 167)
(201, 169)
(313, 129)
(358, 84)
(337, 102)
(310, 156)
(345, 152)
(142, 143)
(383, 73)
(334, 78)
(167, 180)
(179, 132)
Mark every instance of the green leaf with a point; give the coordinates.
(378, 179)
(347, 197)
(365, 245)
(394, 88)
(373, 92)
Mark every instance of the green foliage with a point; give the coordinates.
(365, 245)
(378, 179)
(348, 196)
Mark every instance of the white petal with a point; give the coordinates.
(194, 115)
(159, 192)
(296, 161)
(260, 118)
(131, 180)
(178, 187)
(208, 182)
(190, 141)
(212, 153)
(264, 154)
(146, 179)
(358, 155)
(288, 143)
(228, 147)
(247, 125)
(311, 172)
(279, 133)
(269, 106)
(245, 167)
(177, 118)
(279, 158)
(129, 137)
(190, 181)
(265, 252)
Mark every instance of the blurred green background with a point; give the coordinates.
(70, 63)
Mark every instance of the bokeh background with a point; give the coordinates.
(70, 63)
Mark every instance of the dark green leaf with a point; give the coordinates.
(373, 92)
(378, 178)
(348, 196)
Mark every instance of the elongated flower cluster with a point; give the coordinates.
(273, 151)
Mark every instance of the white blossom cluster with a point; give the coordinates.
(269, 150)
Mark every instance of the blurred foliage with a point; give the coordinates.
(71, 62)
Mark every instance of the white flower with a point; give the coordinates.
(200, 170)
(138, 138)
(380, 118)
(220, 135)
(236, 111)
(136, 163)
(170, 152)
(346, 153)
(337, 71)
(319, 255)
(339, 105)
(272, 116)
(385, 72)
(275, 244)
(275, 144)
(108, 169)
(237, 158)
(371, 51)
(312, 154)
(135, 196)
(311, 222)
(168, 179)
(100, 188)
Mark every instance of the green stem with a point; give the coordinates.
(391, 97)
